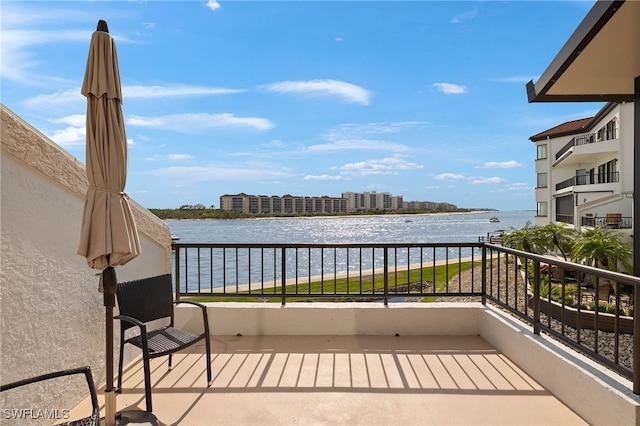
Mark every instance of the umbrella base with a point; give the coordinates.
(137, 417)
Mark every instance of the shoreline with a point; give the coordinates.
(331, 276)
(407, 215)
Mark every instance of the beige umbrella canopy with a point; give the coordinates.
(108, 236)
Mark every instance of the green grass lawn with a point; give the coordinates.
(439, 275)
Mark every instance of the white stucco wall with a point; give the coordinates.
(341, 318)
(51, 314)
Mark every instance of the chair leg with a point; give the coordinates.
(147, 382)
(208, 348)
(170, 360)
(120, 364)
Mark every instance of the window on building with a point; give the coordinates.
(608, 172)
(542, 152)
(541, 209)
(608, 131)
(542, 180)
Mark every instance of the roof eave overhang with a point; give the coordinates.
(596, 19)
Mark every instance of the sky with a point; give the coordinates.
(422, 99)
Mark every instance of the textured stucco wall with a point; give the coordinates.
(51, 314)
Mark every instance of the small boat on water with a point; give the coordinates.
(494, 219)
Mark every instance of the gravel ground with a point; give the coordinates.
(507, 291)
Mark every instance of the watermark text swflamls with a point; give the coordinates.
(34, 414)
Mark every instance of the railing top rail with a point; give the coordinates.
(603, 273)
(323, 245)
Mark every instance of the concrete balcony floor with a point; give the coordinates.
(340, 380)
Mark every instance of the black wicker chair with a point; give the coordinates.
(91, 420)
(150, 299)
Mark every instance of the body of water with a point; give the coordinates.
(206, 266)
(351, 229)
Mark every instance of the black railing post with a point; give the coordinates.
(386, 276)
(536, 297)
(636, 241)
(636, 342)
(283, 275)
(176, 274)
(484, 274)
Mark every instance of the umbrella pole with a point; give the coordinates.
(109, 283)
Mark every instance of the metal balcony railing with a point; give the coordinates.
(552, 295)
(610, 221)
(586, 139)
(598, 178)
(578, 140)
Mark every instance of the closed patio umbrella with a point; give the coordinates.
(108, 235)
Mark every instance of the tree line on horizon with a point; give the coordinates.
(200, 211)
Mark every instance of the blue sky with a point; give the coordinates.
(424, 99)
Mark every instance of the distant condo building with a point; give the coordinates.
(429, 206)
(350, 202)
(369, 201)
(286, 204)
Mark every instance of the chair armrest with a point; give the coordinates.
(205, 318)
(140, 324)
(80, 370)
(190, 303)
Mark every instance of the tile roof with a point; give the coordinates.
(568, 128)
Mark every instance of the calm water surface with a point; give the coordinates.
(350, 229)
(459, 228)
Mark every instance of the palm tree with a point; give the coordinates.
(527, 238)
(559, 237)
(602, 248)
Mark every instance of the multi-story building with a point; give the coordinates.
(585, 170)
(368, 201)
(286, 204)
(429, 206)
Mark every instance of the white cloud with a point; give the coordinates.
(450, 88)
(73, 136)
(465, 16)
(173, 90)
(75, 120)
(473, 180)
(18, 61)
(323, 177)
(221, 173)
(501, 165)
(385, 166)
(354, 130)
(347, 91)
(179, 157)
(61, 98)
(199, 121)
(68, 137)
(358, 144)
(73, 97)
(449, 176)
(485, 180)
(213, 4)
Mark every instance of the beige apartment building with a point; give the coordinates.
(429, 206)
(286, 204)
(368, 201)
